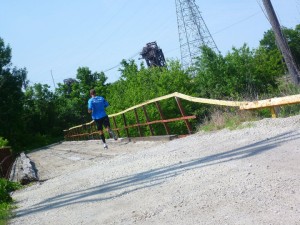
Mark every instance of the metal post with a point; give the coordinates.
(162, 117)
(125, 125)
(138, 122)
(65, 135)
(147, 119)
(273, 112)
(115, 123)
(188, 125)
(77, 132)
(91, 135)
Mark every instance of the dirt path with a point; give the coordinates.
(248, 176)
(57, 159)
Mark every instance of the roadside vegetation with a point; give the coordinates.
(33, 115)
(6, 202)
(231, 120)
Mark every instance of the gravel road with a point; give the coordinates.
(246, 176)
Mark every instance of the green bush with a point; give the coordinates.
(3, 142)
(6, 187)
(5, 199)
(5, 209)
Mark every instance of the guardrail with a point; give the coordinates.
(88, 131)
(271, 103)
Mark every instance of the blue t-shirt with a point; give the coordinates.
(97, 104)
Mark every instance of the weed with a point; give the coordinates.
(5, 199)
(228, 119)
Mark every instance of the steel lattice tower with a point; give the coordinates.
(192, 30)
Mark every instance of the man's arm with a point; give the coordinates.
(106, 104)
(89, 106)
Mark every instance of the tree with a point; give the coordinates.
(72, 104)
(5, 57)
(242, 73)
(11, 95)
(139, 85)
(292, 37)
(39, 110)
(88, 80)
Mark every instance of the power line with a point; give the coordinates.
(219, 31)
(262, 9)
(120, 63)
(243, 20)
(53, 79)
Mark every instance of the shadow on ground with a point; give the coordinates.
(124, 185)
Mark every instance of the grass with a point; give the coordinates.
(230, 120)
(5, 199)
(234, 119)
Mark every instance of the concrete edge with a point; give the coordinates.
(151, 138)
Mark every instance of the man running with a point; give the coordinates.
(96, 106)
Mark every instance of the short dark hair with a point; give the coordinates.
(92, 92)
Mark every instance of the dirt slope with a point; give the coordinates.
(248, 176)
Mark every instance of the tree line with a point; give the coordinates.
(34, 115)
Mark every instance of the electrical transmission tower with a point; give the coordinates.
(193, 32)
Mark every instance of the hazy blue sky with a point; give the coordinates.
(62, 35)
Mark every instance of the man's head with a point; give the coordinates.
(92, 92)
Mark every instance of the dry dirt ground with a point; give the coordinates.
(245, 176)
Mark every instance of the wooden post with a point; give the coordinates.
(147, 119)
(162, 117)
(282, 42)
(125, 125)
(138, 122)
(188, 125)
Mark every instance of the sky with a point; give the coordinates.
(52, 39)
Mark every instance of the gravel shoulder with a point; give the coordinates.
(246, 176)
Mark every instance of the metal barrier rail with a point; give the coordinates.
(87, 131)
(271, 103)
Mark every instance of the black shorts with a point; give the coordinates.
(104, 121)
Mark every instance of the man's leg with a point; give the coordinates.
(103, 139)
(106, 124)
(100, 129)
(111, 133)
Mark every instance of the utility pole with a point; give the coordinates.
(282, 42)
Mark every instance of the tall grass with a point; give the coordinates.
(286, 88)
(221, 118)
(231, 119)
(5, 199)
